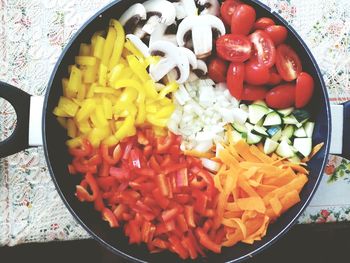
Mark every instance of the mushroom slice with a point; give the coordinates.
(198, 72)
(159, 12)
(132, 17)
(159, 33)
(185, 8)
(172, 58)
(211, 7)
(190, 56)
(202, 35)
(137, 42)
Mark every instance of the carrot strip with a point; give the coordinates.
(243, 150)
(251, 203)
(276, 206)
(260, 154)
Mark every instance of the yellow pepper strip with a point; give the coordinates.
(64, 87)
(129, 83)
(107, 108)
(68, 106)
(85, 49)
(118, 44)
(165, 111)
(105, 90)
(85, 60)
(90, 74)
(108, 46)
(152, 108)
(60, 113)
(128, 124)
(96, 135)
(62, 121)
(156, 122)
(75, 142)
(98, 50)
(138, 69)
(74, 82)
(132, 49)
(94, 40)
(86, 109)
(165, 101)
(71, 128)
(102, 75)
(150, 89)
(128, 95)
(84, 126)
(171, 87)
(110, 140)
(141, 115)
(115, 73)
(81, 92)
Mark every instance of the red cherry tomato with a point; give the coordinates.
(256, 74)
(253, 93)
(217, 70)
(227, 9)
(243, 19)
(235, 48)
(281, 97)
(275, 78)
(263, 22)
(278, 34)
(264, 48)
(288, 63)
(304, 89)
(235, 78)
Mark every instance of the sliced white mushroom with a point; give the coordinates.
(211, 7)
(159, 33)
(159, 12)
(190, 56)
(202, 35)
(137, 42)
(185, 8)
(132, 17)
(172, 58)
(198, 72)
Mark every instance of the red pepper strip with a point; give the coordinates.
(160, 243)
(160, 199)
(99, 205)
(219, 236)
(108, 216)
(91, 182)
(108, 159)
(144, 172)
(207, 242)
(195, 243)
(182, 177)
(178, 248)
(94, 160)
(169, 214)
(182, 198)
(106, 183)
(127, 150)
(163, 184)
(164, 143)
(189, 215)
(170, 225)
(104, 170)
(154, 164)
(187, 243)
(119, 173)
(85, 150)
(161, 229)
(135, 158)
(209, 213)
(166, 161)
(174, 167)
(135, 232)
(141, 138)
(201, 201)
(147, 151)
(83, 195)
(207, 178)
(145, 231)
(119, 210)
(143, 187)
(83, 168)
(207, 225)
(71, 169)
(181, 222)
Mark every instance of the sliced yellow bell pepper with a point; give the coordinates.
(118, 44)
(128, 124)
(85, 60)
(85, 111)
(108, 46)
(68, 106)
(85, 49)
(98, 49)
(72, 129)
(171, 87)
(138, 69)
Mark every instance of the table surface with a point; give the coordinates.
(32, 36)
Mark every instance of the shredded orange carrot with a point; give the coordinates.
(314, 151)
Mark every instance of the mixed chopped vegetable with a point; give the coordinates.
(189, 137)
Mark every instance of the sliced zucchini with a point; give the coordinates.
(303, 145)
(249, 126)
(270, 146)
(277, 136)
(260, 131)
(287, 140)
(273, 130)
(256, 113)
(286, 112)
(253, 138)
(260, 102)
(239, 127)
(295, 159)
(309, 129)
(272, 119)
(260, 123)
(236, 136)
(288, 131)
(290, 120)
(284, 150)
(300, 133)
(301, 116)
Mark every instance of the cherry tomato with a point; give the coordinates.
(278, 34)
(263, 23)
(264, 48)
(304, 89)
(281, 97)
(217, 70)
(235, 78)
(243, 19)
(253, 93)
(275, 78)
(288, 63)
(235, 48)
(256, 74)
(227, 9)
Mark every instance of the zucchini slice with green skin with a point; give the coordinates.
(256, 113)
(300, 133)
(288, 131)
(284, 150)
(270, 146)
(290, 120)
(253, 138)
(277, 136)
(273, 130)
(286, 112)
(236, 136)
(272, 119)
(239, 127)
(301, 116)
(303, 145)
(261, 131)
(295, 159)
(309, 128)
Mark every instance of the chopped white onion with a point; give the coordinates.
(210, 164)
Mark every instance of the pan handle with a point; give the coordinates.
(23, 104)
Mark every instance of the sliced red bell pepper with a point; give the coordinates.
(111, 160)
(201, 202)
(164, 143)
(119, 210)
(173, 167)
(162, 201)
(189, 245)
(144, 172)
(71, 169)
(83, 151)
(169, 214)
(141, 138)
(178, 247)
(106, 183)
(83, 168)
(99, 204)
(104, 169)
(119, 173)
(153, 163)
(135, 155)
(108, 216)
(206, 242)
(145, 231)
(182, 198)
(160, 243)
(163, 184)
(181, 222)
(189, 215)
(182, 177)
(135, 232)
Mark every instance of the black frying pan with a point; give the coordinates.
(57, 157)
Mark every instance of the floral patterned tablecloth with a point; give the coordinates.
(32, 36)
